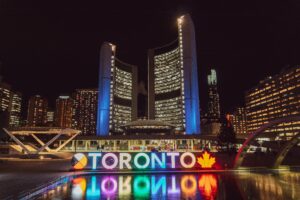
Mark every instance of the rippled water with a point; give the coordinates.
(179, 186)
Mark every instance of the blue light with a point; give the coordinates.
(162, 183)
(93, 191)
(161, 162)
(94, 159)
(191, 96)
(104, 90)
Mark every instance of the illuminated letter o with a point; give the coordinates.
(182, 161)
(112, 182)
(115, 158)
(188, 185)
(136, 158)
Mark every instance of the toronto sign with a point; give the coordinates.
(143, 160)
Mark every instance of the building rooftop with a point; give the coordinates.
(148, 123)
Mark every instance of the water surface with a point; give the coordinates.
(208, 186)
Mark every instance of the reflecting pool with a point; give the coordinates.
(206, 186)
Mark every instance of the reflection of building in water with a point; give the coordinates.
(188, 186)
(294, 180)
(208, 185)
(284, 186)
(179, 186)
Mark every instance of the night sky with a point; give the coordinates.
(53, 48)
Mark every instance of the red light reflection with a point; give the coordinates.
(208, 186)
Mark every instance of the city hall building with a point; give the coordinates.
(173, 96)
(117, 100)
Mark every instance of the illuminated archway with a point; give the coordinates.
(285, 149)
(243, 150)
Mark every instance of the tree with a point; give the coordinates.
(227, 135)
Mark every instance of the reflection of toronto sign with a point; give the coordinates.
(143, 161)
(145, 187)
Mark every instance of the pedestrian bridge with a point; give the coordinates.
(37, 133)
(281, 148)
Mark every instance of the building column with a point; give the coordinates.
(85, 145)
(115, 145)
(144, 145)
(174, 145)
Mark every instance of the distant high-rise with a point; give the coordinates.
(117, 103)
(15, 109)
(85, 110)
(37, 111)
(213, 97)
(10, 102)
(173, 94)
(5, 96)
(240, 120)
(64, 111)
(273, 98)
(50, 118)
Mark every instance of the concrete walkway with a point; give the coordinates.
(18, 176)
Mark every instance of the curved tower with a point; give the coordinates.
(173, 94)
(117, 100)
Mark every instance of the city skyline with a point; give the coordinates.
(180, 99)
(233, 43)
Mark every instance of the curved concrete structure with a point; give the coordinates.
(243, 150)
(285, 149)
(117, 100)
(173, 94)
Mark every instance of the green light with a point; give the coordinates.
(141, 187)
(144, 157)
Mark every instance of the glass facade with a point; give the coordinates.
(173, 95)
(273, 98)
(5, 93)
(85, 110)
(168, 82)
(15, 109)
(117, 103)
(37, 111)
(214, 112)
(239, 121)
(121, 95)
(64, 111)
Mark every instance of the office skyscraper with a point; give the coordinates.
(117, 103)
(5, 96)
(15, 106)
(240, 121)
(85, 110)
(50, 118)
(275, 97)
(173, 94)
(64, 111)
(37, 111)
(10, 102)
(213, 97)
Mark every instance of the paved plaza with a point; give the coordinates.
(17, 177)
